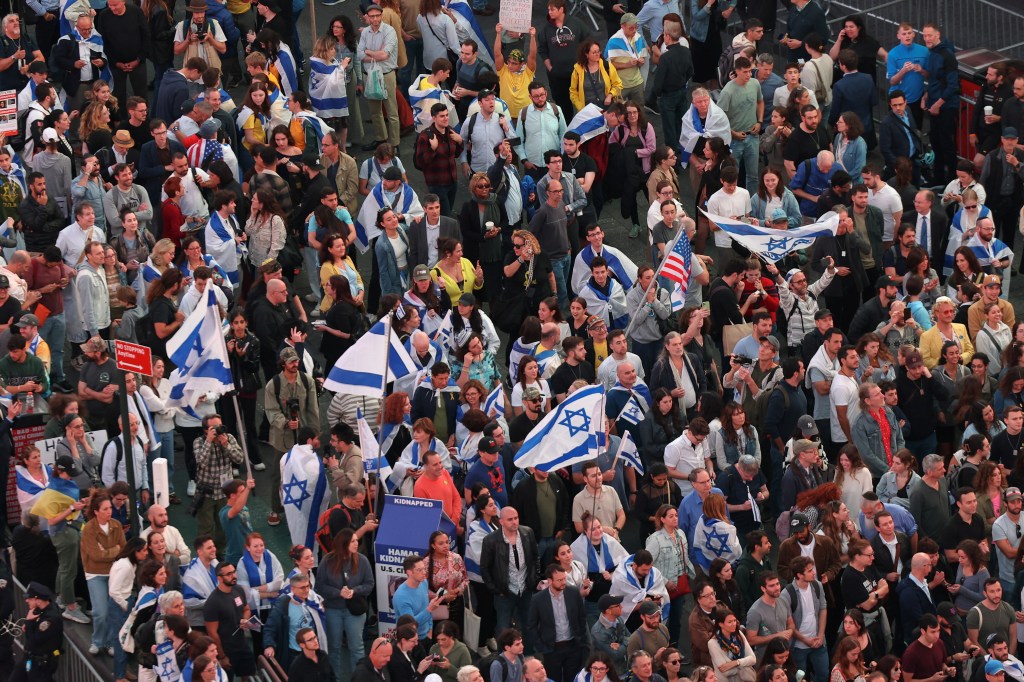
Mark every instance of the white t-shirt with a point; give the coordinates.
(888, 201)
(808, 625)
(843, 392)
(517, 391)
(1003, 529)
(733, 205)
(401, 251)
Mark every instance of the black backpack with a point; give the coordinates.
(22, 135)
(485, 666)
(145, 332)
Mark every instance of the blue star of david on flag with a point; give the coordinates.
(774, 244)
(289, 489)
(631, 413)
(721, 539)
(568, 421)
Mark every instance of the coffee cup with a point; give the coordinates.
(988, 111)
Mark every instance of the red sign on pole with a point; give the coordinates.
(131, 357)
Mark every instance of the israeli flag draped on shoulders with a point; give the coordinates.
(989, 253)
(28, 95)
(94, 42)
(563, 437)
(408, 204)
(588, 123)
(327, 88)
(620, 47)
(361, 369)
(715, 125)
(619, 265)
(957, 228)
(286, 71)
(466, 26)
(304, 494)
(244, 112)
(772, 244)
(198, 583)
(29, 489)
(634, 590)
(422, 100)
(220, 243)
(201, 356)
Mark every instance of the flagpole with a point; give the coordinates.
(604, 397)
(389, 323)
(654, 279)
(241, 433)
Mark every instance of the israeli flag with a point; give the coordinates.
(494, 406)
(317, 124)
(363, 368)
(7, 229)
(619, 46)
(772, 244)
(629, 454)
(631, 413)
(94, 42)
(166, 661)
(286, 71)
(588, 123)
(220, 236)
(198, 583)
(201, 356)
(466, 26)
(369, 448)
(445, 334)
(327, 89)
(422, 100)
(564, 436)
(678, 297)
(406, 202)
(304, 494)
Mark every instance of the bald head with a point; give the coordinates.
(157, 516)
(420, 342)
(276, 287)
(19, 258)
(920, 565)
(549, 334)
(626, 374)
(380, 652)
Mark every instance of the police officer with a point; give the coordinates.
(44, 633)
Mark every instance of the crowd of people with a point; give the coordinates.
(830, 438)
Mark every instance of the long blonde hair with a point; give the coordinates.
(325, 48)
(92, 120)
(529, 238)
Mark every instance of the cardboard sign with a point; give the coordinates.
(131, 357)
(516, 15)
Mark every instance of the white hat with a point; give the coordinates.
(50, 135)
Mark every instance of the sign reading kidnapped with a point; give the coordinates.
(405, 527)
(516, 15)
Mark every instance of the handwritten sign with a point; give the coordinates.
(48, 447)
(516, 15)
(8, 112)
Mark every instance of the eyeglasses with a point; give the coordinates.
(517, 246)
(310, 639)
(598, 668)
(675, 661)
(225, 574)
(484, 185)
(555, 191)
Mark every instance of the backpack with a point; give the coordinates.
(794, 598)
(22, 135)
(145, 332)
(726, 63)
(485, 666)
(468, 135)
(760, 409)
(323, 531)
(522, 117)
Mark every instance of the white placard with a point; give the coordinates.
(48, 447)
(516, 15)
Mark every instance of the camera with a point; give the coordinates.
(291, 405)
(219, 430)
(742, 360)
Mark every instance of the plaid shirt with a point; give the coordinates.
(439, 166)
(213, 464)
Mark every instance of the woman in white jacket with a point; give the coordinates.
(156, 390)
(121, 588)
(730, 652)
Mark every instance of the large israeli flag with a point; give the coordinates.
(772, 244)
(361, 369)
(327, 89)
(287, 73)
(588, 123)
(304, 494)
(422, 100)
(563, 437)
(466, 26)
(201, 356)
(406, 203)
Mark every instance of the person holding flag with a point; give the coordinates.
(628, 400)
(604, 295)
(651, 308)
(306, 494)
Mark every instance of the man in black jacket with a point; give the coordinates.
(127, 53)
(78, 72)
(675, 66)
(425, 232)
(268, 319)
(563, 656)
(374, 668)
(876, 310)
(41, 218)
(527, 498)
(898, 136)
(433, 401)
(510, 569)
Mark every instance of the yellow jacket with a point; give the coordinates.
(931, 342)
(612, 83)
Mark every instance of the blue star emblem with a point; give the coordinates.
(569, 421)
(289, 490)
(168, 669)
(717, 542)
(778, 246)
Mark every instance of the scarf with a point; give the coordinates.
(94, 43)
(886, 432)
(732, 646)
(253, 571)
(592, 565)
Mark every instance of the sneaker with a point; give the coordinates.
(315, 312)
(77, 616)
(62, 386)
(191, 490)
(634, 231)
(312, 298)
(259, 466)
(94, 650)
(273, 519)
(174, 499)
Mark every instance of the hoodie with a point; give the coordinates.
(56, 168)
(944, 77)
(174, 90)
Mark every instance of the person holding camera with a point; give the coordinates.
(200, 36)
(216, 453)
(291, 402)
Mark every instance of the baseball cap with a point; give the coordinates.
(884, 281)
(607, 601)
(374, 8)
(946, 610)
(29, 320)
(392, 173)
(807, 426)
(467, 299)
(486, 92)
(532, 393)
(188, 106)
(779, 214)
(913, 360)
(312, 161)
(94, 345)
(798, 521)
(288, 354)
(649, 608)
(994, 667)
(822, 314)
(66, 464)
(630, 18)
(209, 128)
(1010, 133)
(49, 135)
(487, 445)
(992, 281)
(1013, 493)
(594, 322)
(770, 339)
(420, 273)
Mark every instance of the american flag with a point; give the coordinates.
(677, 262)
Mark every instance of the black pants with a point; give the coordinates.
(844, 307)
(137, 78)
(247, 406)
(560, 93)
(189, 435)
(942, 135)
(564, 662)
(373, 298)
(47, 34)
(1005, 212)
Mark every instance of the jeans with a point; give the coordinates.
(99, 595)
(673, 106)
(775, 482)
(817, 658)
(923, 446)
(53, 332)
(746, 153)
(158, 75)
(311, 262)
(508, 606)
(342, 623)
(136, 78)
(167, 452)
(414, 65)
(66, 541)
(446, 193)
(560, 265)
(116, 618)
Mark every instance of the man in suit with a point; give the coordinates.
(562, 640)
(855, 92)
(424, 233)
(509, 567)
(932, 226)
(436, 404)
(892, 550)
(913, 593)
(899, 136)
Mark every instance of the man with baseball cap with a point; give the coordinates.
(803, 473)
(44, 635)
(876, 310)
(482, 131)
(991, 287)
(919, 390)
(609, 633)
(488, 470)
(652, 634)
(1001, 172)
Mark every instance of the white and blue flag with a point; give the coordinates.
(565, 435)
(304, 494)
(403, 201)
(588, 123)
(327, 90)
(201, 356)
(494, 406)
(631, 412)
(445, 334)
(288, 75)
(466, 26)
(421, 100)
(628, 452)
(365, 368)
(772, 244)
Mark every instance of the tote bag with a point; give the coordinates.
(375, 89)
